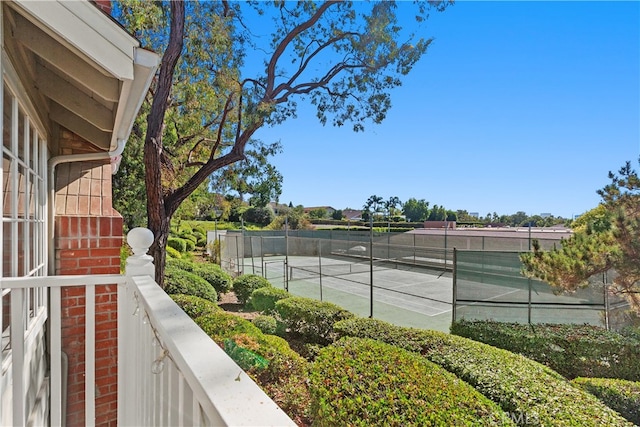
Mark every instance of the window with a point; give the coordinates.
(24, 192)
(24, 204)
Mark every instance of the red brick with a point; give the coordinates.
(117, 226)
(75, 311)
(105, 226)
(93, 226)
(76, 291)
(93, 262)
(68, 263)
(74, 253)
(105, 252)
(105, 270)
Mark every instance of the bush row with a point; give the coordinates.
(179, 281)
(244, 285)
(212, 273)
(363, 382)
(267, 358)
(620, 395)
(528, 391)
(183, 239)
(264, 299)
(310, 319)
(195, 306)
(571, 350)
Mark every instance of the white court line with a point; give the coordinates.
(422, 306)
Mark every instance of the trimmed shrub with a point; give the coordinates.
(188, 236)
(631, 332)
(189, 245)
(215, 275)
(571, 350)
(212, 273)
(179, 263)
(222, 325)
(177, 243)
(195, 306)
(527, 391)
(264, 299)
(172, 253)
(311, 319)
(177, 281)
(267, 324)
(244, 285)
(620, 395)
(362, 382)
(284, 379)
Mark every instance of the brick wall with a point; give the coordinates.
(104, 5)
(88, 238)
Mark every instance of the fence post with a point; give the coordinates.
(454, 301)
(140, 264)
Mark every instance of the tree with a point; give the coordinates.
(372, 206)
(607, 238)
(129, 193)
(253, 175)
(342, 57)
(438, 213)
(416, 210)
(318, 213)
(390, 206)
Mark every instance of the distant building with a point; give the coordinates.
(545, 215)
(352, 214)
(474, 214)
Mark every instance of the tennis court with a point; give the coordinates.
(490, 285)
(404, 295)
(412, 282)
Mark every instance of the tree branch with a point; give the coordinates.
(280, 49)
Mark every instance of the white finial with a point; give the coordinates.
(139, 264)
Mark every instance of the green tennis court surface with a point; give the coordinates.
(403, 295)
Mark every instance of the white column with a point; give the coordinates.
(140, 264)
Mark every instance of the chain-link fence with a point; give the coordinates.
(251, 251)
(490, 285)
(418, 273)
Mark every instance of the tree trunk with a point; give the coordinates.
(158, 220)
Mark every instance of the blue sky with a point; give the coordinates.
(517, 106)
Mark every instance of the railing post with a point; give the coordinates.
(140, 264)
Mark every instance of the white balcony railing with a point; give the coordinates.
(170, 373)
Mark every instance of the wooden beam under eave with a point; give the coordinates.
(73, 99)
(80, 127)
(65, 61)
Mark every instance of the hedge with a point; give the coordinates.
(267, 324)
(526, 390)
(571, 350)
(310, 319)
(189, 245)
(245, 284)
(212, 273)
(283, 379)
(620, 395)
(178, 281)
(222, 325)
(363, 382)
(264, 299)
(172, 253)
(195, 306)
(177, 243)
